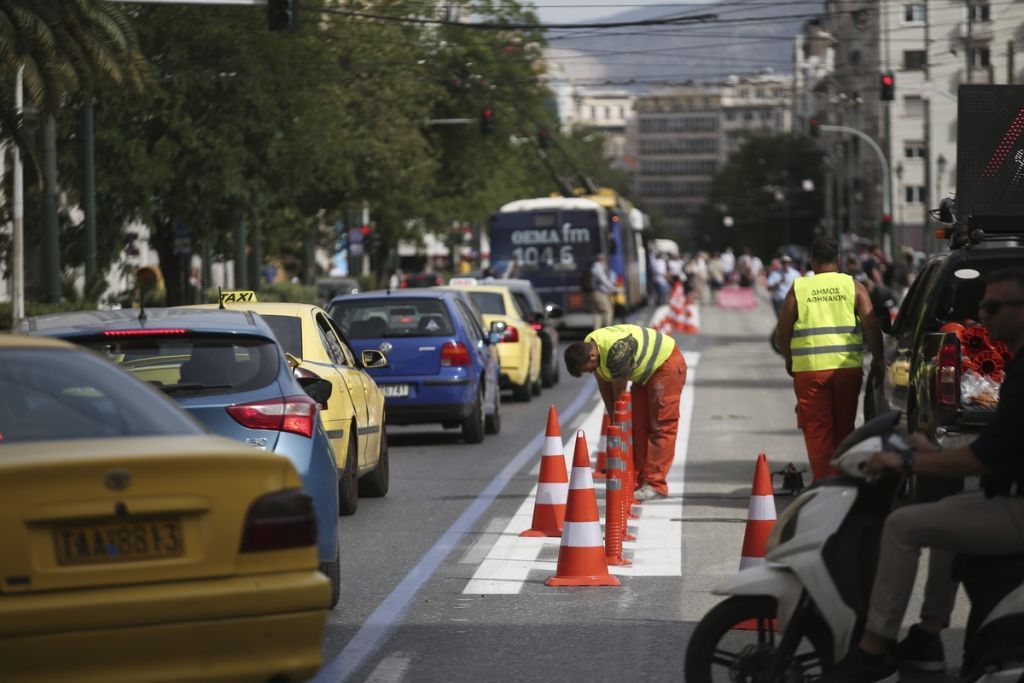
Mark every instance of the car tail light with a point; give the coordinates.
(946, 379)
(279, 520)
(292, 414)
(537, 326)
(144, 333)
(403, 285)
(454, 354)
(510, 334)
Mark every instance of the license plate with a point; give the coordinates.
(395, 390)
(118, 542)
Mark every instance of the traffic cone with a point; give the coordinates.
(692, 318)
(552, 484)
(614, 519)
(581, 560)
(760, 516)
(601, 463)
(677, 304)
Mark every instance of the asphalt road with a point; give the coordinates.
(437, 585)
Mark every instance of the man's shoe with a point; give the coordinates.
(860, 667)
(647, 492)
(921, 651)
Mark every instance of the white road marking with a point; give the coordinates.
(391, 669)
(658, 548)
(478, 551)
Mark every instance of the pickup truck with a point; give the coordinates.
(925, 354)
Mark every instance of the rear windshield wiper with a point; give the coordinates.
(181, 388)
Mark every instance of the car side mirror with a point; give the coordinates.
(293, 361)
(317, 389)
(372, 358)
(497, 330)
(554, 310)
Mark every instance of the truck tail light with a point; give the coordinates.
(454, 354)
(291, 414)
(510, 334)
(947, 378)
(279, 520)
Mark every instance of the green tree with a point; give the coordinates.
(761, 188)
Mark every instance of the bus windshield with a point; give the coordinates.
(545, 240)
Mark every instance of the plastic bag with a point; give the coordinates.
(979, 390)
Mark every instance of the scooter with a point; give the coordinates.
(792, 618)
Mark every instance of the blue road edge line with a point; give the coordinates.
(388, 615)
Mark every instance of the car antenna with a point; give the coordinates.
(220, 298)
(142, 302)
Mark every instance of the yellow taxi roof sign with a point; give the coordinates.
(238, 297)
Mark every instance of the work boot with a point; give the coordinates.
(921, 651)
(860, 667)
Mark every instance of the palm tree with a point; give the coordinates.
(64, 47)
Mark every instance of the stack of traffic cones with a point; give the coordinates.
(614, 517)
(581, 560)
(677, 307)
(760, 516)
(552, 484)
(601, 461)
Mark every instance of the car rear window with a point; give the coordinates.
(57, 394)
(392, 317)
(193, 364)
(958, 299)
(489, 302)
(288, 331)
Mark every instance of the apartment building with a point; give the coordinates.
(685, 134)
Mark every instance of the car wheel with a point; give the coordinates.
(549, 372)
(492, 423)
(522, 392)
(332, 570)
(473, 425)
(375, 484)
(348, 486)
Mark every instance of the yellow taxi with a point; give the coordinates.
(136, 546)
(520, 348)
(354, 415)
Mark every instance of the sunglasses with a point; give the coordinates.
(991, 306)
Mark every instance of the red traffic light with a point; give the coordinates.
(813, 124)
(888, 82)
(365, 229)
(887, 79)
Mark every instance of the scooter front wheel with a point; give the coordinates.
(737, 639)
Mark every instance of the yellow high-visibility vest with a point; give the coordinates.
(653, 349)
(827, 334)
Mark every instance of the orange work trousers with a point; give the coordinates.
(826, 408)
(656, 422)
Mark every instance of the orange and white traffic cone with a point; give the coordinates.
(760, 516)
(692, 318)
(552, 484)
(601, 462)
(581, 560)
(677, 305)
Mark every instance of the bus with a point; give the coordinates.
(551, 240)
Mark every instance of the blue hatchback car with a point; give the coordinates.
(442, 365)
(226, 368)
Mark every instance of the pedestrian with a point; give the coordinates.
(395, 280)
(654, 364)
(824, 323)
(987, 522)
(600, 296)
(780, 280)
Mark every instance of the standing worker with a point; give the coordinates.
(824, 322)
(621, 353)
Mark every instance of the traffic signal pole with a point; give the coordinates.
(886, 196)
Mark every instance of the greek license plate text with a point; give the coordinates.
(395, 390)
(118, 542)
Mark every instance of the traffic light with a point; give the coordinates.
(281, 14)
(814, 126)
(543, 138)
(487, 120)
(888, 82)
(372, 242)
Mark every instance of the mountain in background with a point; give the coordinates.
(746, 38)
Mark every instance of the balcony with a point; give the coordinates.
(981, 31)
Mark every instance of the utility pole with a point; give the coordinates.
(1009, 62)
(90, 195)
(18, 274)
(968, 52)
(927, 238)
(52, 258)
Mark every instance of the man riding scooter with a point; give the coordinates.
(988, 522)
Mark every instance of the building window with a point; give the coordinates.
(913, 60)
(759, 93)
(855, 57)
(913, 150)
(730, 115)
(978, 56)
(913, 106)
(607, 113)
(748, 116)
(914, 14)
(979, 11)
(914, 194)
(622, 112)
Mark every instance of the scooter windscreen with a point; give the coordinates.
(874, 435)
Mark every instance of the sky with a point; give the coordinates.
(576, 11)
